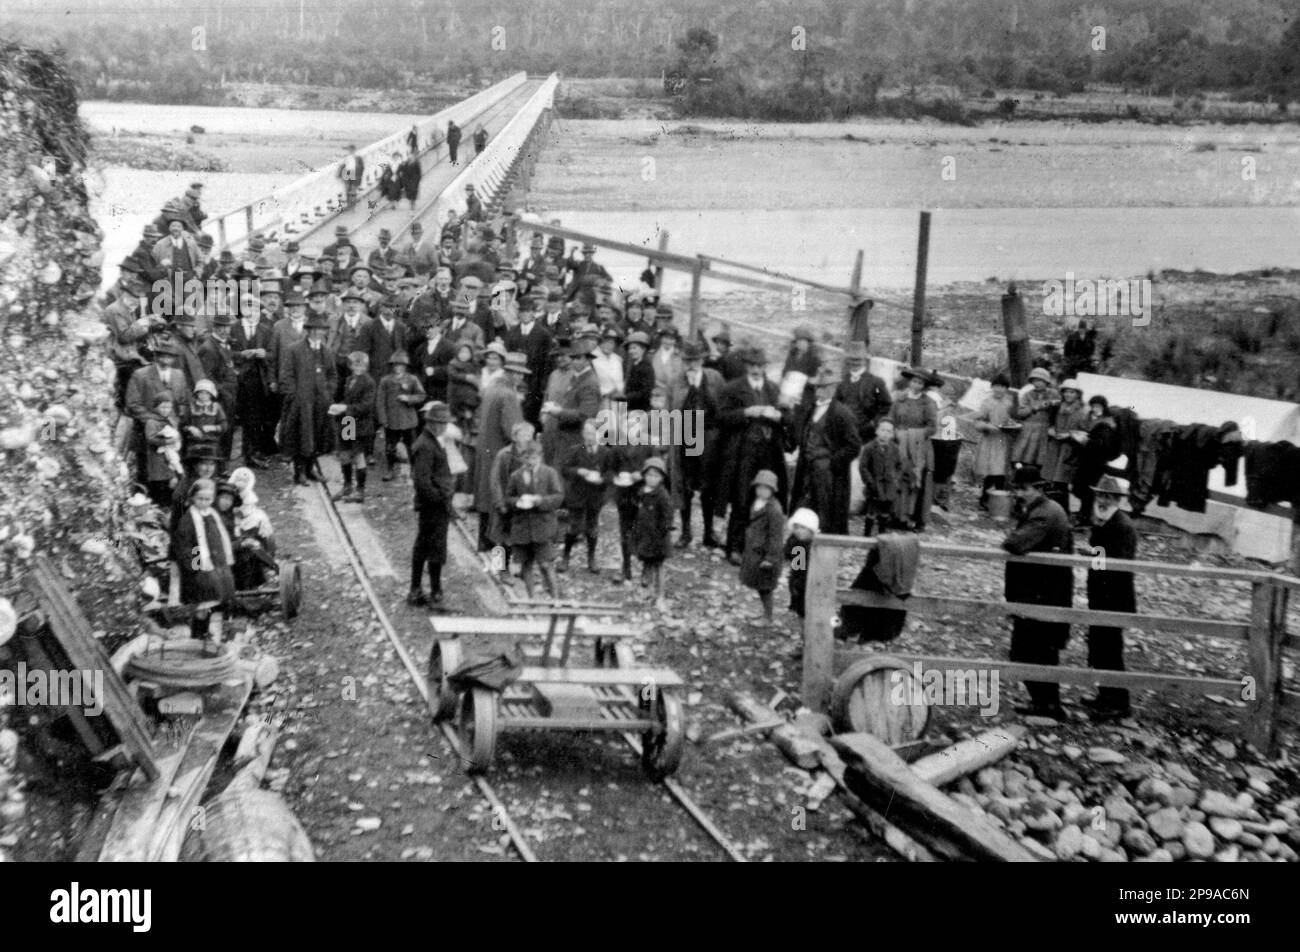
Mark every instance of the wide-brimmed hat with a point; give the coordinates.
(654, 462)
(1040, 373)
(766, 478)
(694, 350)
(638, 337)
(399, 357)
(670, 331)
(855, 350)
(805, 332)
(918, 372)
(1112, 486)
(1071, 384)
(582, 347)
(498, 348)
(295, 298)
(200, 451)
(352, 294)
(222, 319)
(612, 331)
(316, 322)
(1026, 476)
(754, 355)
(517, 362)
(435, 411)
(722, 335)
(804, 519)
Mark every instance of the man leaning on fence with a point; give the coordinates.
(1043, 526)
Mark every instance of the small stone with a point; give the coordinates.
(1153, 788)
(1109, 837)
(1181, 773)
(1166, 824)
(1158, 856)
(1113, 856)
(1215, 803)
(1231, 854)
(1038, 849)
(1090, 848)
(1120, 810)
(1177, 851)
(1044, 822)
(1225, 749)
(1034, 721)
(1272, 845)
(1250, 841)
(1074, 753)
(1069, 843)
(1199, 840)
(1139, 841)
(1075, 813)
(1226, 828)
(1182, 797)
(1104, 755)
(1013, 783)
(990, 779)
(1259, 786)
(368, 824)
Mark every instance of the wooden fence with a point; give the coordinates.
(1265, 633)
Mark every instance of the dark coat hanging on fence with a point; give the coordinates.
(890, 569)
(1273, 475)
(1186, 456)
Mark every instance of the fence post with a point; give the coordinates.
(1264, 656)
(696, 274)
(820, 610)
(659, 268)
(918, 291)
(1017, 331)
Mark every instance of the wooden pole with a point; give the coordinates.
(819, 627)
(855, 279)
(1264, 656)
(859, 306)
(696, 275)
(918, 292)
(1017, 331)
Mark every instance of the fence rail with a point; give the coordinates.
(1265, 633)
(316, 196)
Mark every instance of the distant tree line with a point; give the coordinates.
(806, 59)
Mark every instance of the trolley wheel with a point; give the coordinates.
(478, 728)
(443, 659)
(662, 746)
(290, 588)
(865, 700)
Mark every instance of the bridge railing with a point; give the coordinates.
(487, 172)
(317, 195)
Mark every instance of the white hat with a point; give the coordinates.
(244, 479)
(806, 519)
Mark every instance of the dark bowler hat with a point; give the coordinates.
(693, 350)
(197, 452)
(352, 294)
(295, 298)
(754, 355)
(205, 241)
(319, 286)
(435, 411)
(1026, 476)
(582, 347)
(316, 322)
(222, 319)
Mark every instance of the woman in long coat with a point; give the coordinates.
(390, 186)
(915, 418)
(1063, 447)
(1035, 412)
(991, 453)
(408, 177)
(500, 410)
(307, 381)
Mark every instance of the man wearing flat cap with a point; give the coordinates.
(754, 431)
(388, 335)
(828, 445)
(1042, 526)
(500, 408)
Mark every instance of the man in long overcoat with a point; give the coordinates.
(433, 482)
(1113, 537)
(308, 379)
(499, 410)
(828, 445)
(753, 429)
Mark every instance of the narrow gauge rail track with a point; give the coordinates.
(517, 838)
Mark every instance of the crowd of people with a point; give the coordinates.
(517, 385)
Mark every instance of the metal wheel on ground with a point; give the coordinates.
(661, 747)
(478, 728)
(879, 696)
(443, 659)
(290, 587)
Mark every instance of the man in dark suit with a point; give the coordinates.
(219, 366)
(388, 335)
(753, 429)
(530, 338)
(250, 346)
(828, 445)
(585, 273)
(580, 403)
(866, 395)
(351, 331)
(432, 304)
(1113, 537)
(639, 376)
(434, 484)
(1043, 526)
(697, 392)
(351, 170)
(728, 362)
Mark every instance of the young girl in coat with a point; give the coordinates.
(356, 421)
(162, 435)
(254, 543)
(802, 528)
(397, 409)
(995, 412)
(760, 563)
(654, 524)
(463, 385)
(204, 556)
(204, 421)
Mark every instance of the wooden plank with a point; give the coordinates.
(793, 279)
(979, 554)
(659, 677)
(968, 756)
(92, 840)
(792, 742)
(521, 609)
(567, 701)
(967, 608)
(143, 798)
(1264, 656)
(34, 652)
(1087, 677)
(73, 633)
(819, 627)
(223, 706)
(451, 627)
(884, 781)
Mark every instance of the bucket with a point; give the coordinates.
(1000, 504)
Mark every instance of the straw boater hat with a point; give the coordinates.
(766, 478)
